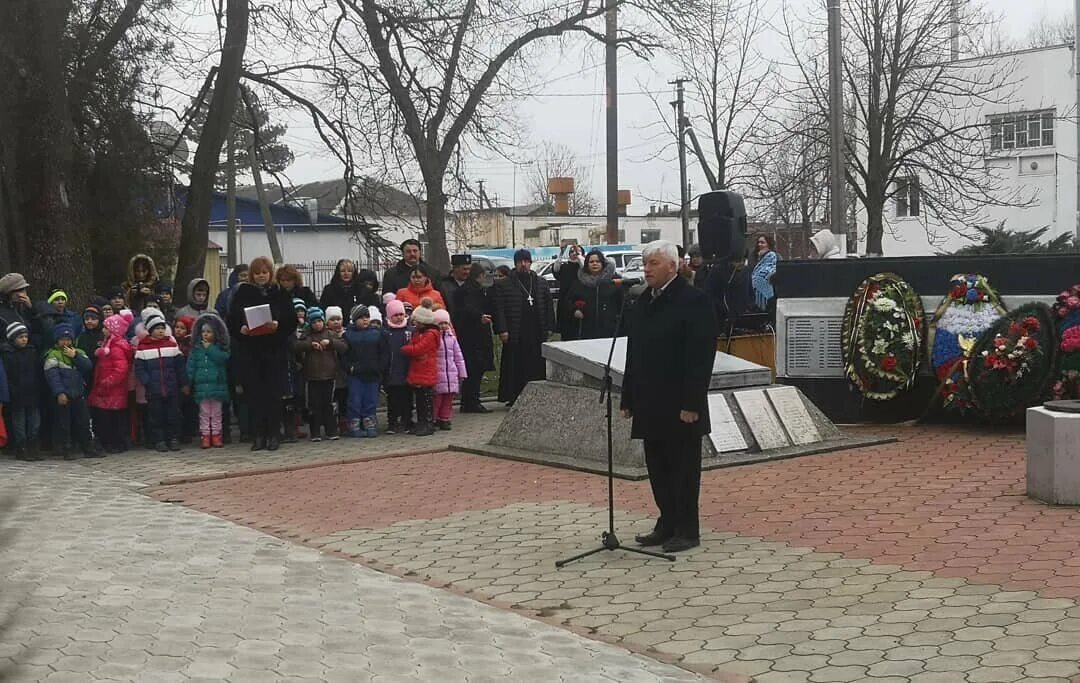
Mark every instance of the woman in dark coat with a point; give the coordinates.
(566, 273)
(472, 322)
(369, 288)
(344, 289)
(292, 282)
(593, 300)
(262, 360)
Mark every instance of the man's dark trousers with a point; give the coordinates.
(674, 465)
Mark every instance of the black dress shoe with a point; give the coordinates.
(272, 443)
(654, 537)
(258, 444)
(677, 544)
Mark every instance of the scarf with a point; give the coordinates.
(763, 270)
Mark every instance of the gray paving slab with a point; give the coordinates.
(99, 582)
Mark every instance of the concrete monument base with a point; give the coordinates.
(1053, 456)
(562, 421)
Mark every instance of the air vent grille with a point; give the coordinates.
(813, 347)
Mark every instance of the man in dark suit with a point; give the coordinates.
(669, 362)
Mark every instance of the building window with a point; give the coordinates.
(1021, 130)
(649, 236)
(907, 197)
(693, 237)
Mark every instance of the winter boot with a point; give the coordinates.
(290, 429)
(425, 409)
(272, 442)
(443, 425)
(174, 445)
(356, 429)
(205, 443)
(300, 433)
(217, 441)
(370, 428)
(161, 447)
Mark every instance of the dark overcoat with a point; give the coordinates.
(510, 300)
(669, 361)
(262, 361)
(470, 305)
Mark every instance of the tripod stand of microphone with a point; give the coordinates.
(608, 539)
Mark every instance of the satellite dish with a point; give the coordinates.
(166, 138)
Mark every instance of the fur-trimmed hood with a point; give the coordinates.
(221, 332)
(152, 267)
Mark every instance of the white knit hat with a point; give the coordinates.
(334, 312)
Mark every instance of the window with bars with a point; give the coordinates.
(1021, 130)
(649, 236)
(907, 197)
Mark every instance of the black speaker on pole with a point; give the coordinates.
(721, 225)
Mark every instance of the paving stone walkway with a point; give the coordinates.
(99, 582)
(916, 561)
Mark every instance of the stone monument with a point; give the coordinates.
(1053, 453)
(562, 421)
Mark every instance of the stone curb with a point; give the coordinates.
(198, 478)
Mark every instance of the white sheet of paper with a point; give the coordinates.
(257, 316)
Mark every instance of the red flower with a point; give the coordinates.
(917, 322)
(1030, 344)
(959, 291)
(1031, 323)
(982, 295)
(1016, 329)
(888, 363)
(579, 304)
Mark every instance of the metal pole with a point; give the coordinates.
(612, 153)
(230, 200)
(513, 210)
(836, 121)
(680, 127)
(1076, 113)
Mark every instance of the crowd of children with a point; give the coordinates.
(136, 370)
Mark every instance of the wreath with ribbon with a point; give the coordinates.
(970, 308)
(883, 336)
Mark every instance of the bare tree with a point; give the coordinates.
(430, 80)
(915, 114)
(559, 161)
(1050, 31)
(717, 49)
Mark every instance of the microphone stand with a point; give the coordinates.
(608, 539)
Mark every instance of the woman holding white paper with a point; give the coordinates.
(262, 323)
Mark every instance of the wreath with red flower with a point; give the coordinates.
(883, 336)
(1012, 364)
(1067, 318)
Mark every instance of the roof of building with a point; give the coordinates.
(370, 197)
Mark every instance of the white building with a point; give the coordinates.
(1030, 147)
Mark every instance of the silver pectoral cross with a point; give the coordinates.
(530, 300)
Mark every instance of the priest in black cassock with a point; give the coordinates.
(524, 318)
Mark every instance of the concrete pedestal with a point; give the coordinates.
(1053, 456)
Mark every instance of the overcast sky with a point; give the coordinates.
(569, 109)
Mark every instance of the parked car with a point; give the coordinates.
(634, 269)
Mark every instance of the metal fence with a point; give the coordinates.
(316, 274)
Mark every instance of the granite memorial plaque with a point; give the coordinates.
(794, 415)
(725, 434)
(763, 422)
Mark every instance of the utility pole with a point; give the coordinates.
(513, 210)
(1076, 82)
(230, 200)
(836, 122)
(611, 73)
(481, 184)
(680, 127)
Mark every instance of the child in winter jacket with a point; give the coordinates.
(451, 371)
(423, 355)
(109, 395)
(364, 363)
(160, 369)
(319, 350)
(92, 335)
(21, 365)
(189, 410)
(399, 403)
(67, 370)
(207, 368)
(335, 322)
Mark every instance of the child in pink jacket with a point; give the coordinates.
(451, 364)
(109, 395)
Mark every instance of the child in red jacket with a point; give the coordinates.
(422, 353)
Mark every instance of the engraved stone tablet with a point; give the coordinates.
(763, 422)
(794, 415)
(725, 435)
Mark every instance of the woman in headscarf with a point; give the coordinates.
(263, 354)
(594, 300)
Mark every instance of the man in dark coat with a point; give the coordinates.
(472, 323)
(398, 277)
(669, 362)
(524, 318)
(460, 264)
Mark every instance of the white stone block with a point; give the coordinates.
(1053, 456)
